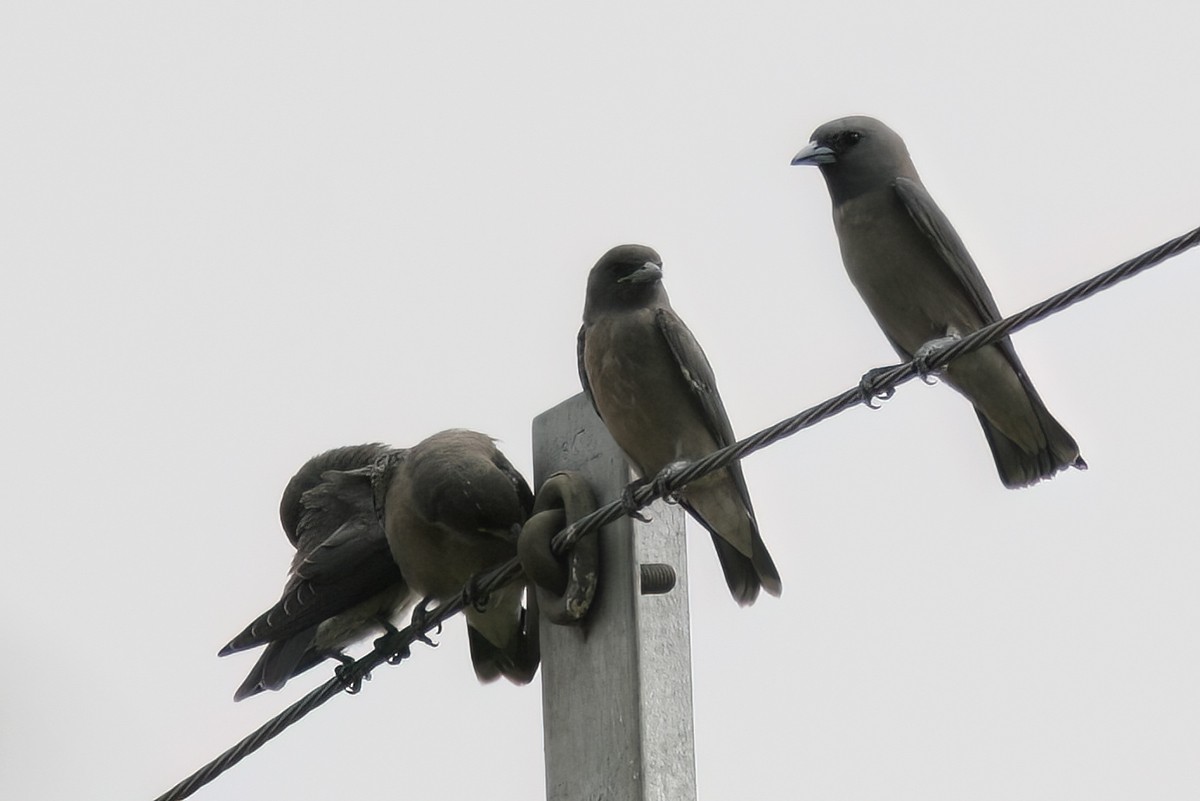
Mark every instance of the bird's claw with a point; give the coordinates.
(927, 352)
(665, 477)
(867, 387)
(420, 620)
(629, 504)
(351, 678)
(400, 652)
(387, 644)
(474, 596)
(404, 652)
(927, 375)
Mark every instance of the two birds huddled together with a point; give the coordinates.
(452, 505)
(379, 529)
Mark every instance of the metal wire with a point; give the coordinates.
(395, 646)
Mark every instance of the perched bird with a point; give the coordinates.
(453, 508)
(651, 384)
(343, 585)
(924, 290)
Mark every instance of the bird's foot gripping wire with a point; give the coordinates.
(400, 652)
(352, 678)
(394, 643)
(420, 621)
(868, 383)
(629, 504)
(662, 482)
(928, 351)
(474, 595)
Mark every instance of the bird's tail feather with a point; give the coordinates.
(739, 571)
(280, 661)
(768, 574)
(747, 575)
(504, 636)
(1021, 468)
(517, 663)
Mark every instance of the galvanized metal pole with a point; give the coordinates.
(617, 691)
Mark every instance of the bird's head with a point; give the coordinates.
(856, 154)
(627, 275)
(460, 479)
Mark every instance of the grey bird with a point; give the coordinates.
(454, 508)
(924, 290)
(343, 585)
(652, 385)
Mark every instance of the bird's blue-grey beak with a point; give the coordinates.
(643, 275)
(813, 153)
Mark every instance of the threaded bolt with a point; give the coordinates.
(657, 578)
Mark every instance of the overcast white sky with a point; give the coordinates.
(237, 234)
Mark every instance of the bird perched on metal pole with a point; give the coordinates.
(921, 285)
(652, 385)
(343, 584)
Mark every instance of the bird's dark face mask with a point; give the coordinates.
(832, 150)
(848, 159)
(856, 155)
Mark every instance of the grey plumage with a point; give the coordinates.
(343, 582)
(454, 508)
(920, 284)
(651, 384)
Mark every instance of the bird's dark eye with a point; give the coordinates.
(852, 137)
